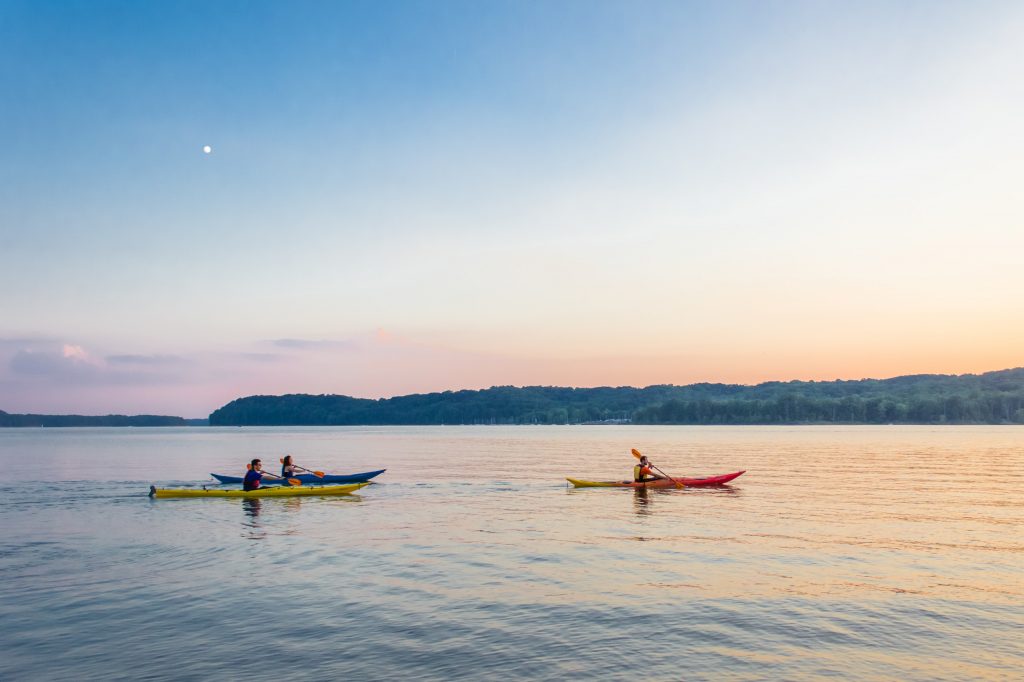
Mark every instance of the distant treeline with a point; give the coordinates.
(991, 398)
(58, 420)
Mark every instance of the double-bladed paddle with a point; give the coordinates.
(291, 481)
(679, 484)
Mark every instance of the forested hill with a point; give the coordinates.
(991, 398)
(55, 420)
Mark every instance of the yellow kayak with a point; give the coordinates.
(273, 491)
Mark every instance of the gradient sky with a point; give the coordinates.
(419, 196)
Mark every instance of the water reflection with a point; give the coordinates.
(725, 489)
(291, 504)
(252, 508)
(853, 552)
(251, 526)
(642, 502)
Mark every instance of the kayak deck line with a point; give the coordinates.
(270, 491)
(721, 479)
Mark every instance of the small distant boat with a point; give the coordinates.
(661, 482)
(270, 491)
(312, 478)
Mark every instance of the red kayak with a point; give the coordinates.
(661, 482)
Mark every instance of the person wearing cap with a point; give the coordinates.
(643, 473)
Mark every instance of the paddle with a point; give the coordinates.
(318, 474)
(289, 481)
(679, 484)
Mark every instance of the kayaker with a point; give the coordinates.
(254, 475)
(289, 469)
(642, 472)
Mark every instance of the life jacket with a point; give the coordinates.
(641, 472)
(251, 480)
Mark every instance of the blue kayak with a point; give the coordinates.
(310, 478)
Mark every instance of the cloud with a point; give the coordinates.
(310, 344)
(25, 342)
(71, 363)
(75, 353)
(54, 376)
(147, 360)
(260, 357)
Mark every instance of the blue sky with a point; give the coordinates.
(408, 197)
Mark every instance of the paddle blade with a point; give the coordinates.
(318, 474)
(636, 453)
(293, 481)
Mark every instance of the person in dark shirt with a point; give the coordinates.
(254, 475)
(288, 468)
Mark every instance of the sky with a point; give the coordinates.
(406, 197)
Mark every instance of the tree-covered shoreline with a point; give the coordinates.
(990, 398)
(68, 420)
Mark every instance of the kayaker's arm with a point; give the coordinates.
(286, 479)
(318, 474)
(650, 470)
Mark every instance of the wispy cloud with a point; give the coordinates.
(57, 376)
(55, 363)
(25, 342)
(148, 360)
(70, 363)
(76, 353)
(315, 344)
(264, 358)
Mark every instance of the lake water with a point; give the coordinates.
(855, 553)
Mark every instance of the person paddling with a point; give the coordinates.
(255, 474)
(290, 470)
(642, 472)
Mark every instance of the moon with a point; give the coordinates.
(207, 149)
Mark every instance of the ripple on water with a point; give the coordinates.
(851, 553)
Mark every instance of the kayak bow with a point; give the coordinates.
(271, 491)
(660, 483)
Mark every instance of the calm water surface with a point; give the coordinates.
(856, 553)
